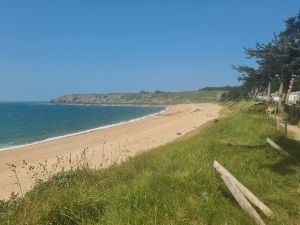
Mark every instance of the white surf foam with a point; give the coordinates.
(83, 132)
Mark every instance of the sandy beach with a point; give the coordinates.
(99, 148)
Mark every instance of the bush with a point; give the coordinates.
(257, 108)
(236, 93)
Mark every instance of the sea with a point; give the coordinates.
(27, 123)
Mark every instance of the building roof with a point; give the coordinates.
(297, 93)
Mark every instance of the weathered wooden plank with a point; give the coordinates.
(277, 147)
(240, 198)
(245, 191)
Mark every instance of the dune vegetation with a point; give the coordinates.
(176, 183)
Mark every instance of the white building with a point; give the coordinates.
(275, 97)
(261, 97)
(294, 97)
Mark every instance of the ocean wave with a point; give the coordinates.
(7, 148)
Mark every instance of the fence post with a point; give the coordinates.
(275, 116)
(285, 128)
(275, 111)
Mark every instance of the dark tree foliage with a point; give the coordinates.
(159, 92)
(296, 86)
(277, 62)
(235, 93)
(223, 88)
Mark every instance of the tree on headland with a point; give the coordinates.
(223, 88)
(159, 92)
(143, 92)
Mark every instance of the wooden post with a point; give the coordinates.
(275, 113)
(245, 191)
(239, 197)
(278, 125)
(285, 128)
(275, 116)
(277, 147)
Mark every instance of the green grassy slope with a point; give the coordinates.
(175, 183)
(165, 98)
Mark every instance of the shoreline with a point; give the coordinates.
(101, 148)
(84, 131)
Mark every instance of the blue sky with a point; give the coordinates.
(50, 48)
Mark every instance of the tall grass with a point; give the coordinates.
(175, 183)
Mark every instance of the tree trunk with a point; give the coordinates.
(281, 97)
(256, 93)
(290, 89)
(269, 92)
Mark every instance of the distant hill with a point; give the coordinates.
(143, 98)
